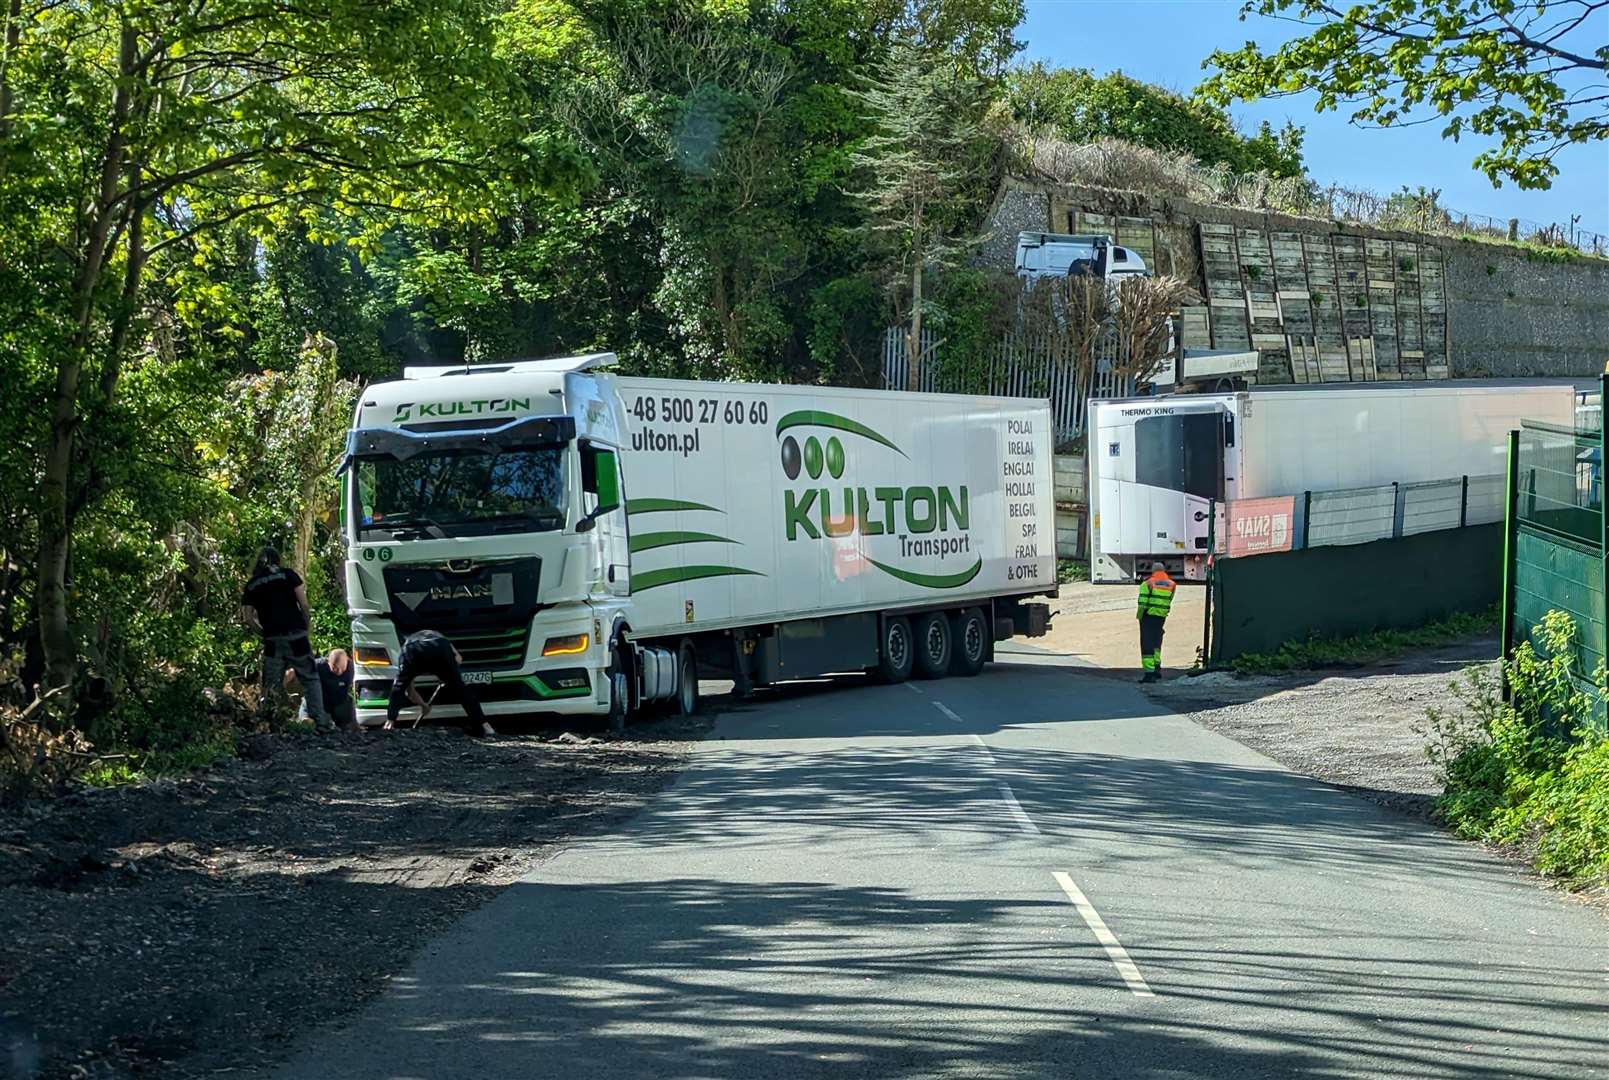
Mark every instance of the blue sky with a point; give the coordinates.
(1165, 41)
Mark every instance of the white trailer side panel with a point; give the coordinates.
(750, 504)
(1328, 440)
(1287, 441)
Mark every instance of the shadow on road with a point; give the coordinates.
(704, 978)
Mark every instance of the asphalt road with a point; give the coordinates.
(1031, 873)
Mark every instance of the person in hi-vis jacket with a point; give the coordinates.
(1156, 597)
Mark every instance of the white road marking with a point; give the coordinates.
(1018, 814)
(1024, 822)
(983, 746)
(913, 688)
(1097, 925)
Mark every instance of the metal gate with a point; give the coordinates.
(1554, 543)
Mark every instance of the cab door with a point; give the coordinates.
(603, 499)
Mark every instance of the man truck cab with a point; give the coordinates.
(481, 503)
(1042, 254)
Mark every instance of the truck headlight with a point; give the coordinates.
(369, 656)
(568, 645)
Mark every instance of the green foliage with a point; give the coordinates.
(1080, 107)
(1319, 652)
(932, 132)
(1071, 570)
(218, 217)
(847, 324)
(1502, 69)
(972, 310)
(1531, 771)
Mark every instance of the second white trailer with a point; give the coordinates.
(1158, 464)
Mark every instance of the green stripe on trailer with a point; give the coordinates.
(660, 506)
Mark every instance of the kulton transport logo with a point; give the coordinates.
(446, 410)
(918, 522)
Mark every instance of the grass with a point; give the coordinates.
(1319, 652)
(135, 768)
(1070, 570)
(1531, 249)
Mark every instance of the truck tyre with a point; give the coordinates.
(619, 690)
(932, 634)
(969, 642)
(895, 651)
(686, 680)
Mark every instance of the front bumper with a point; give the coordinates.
(568, 691)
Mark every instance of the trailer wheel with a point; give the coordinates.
(686, 680)
(932, 645)
(895, 651)
(969, 642)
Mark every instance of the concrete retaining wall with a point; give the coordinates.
(1510, 311)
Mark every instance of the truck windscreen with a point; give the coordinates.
(460, 492)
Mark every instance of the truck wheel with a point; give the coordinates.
(969, 642)
(686, 680)
(932, 632)
(896, 650)
(619, 691)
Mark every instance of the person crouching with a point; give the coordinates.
(429, 653)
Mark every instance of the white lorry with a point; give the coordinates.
(592, 543)
(1157, 464)
(1042, 254)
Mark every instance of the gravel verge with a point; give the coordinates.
(1361, 729)
(188, 927)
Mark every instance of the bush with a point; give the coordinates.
(1531, 772)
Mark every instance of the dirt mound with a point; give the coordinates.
(185, 926)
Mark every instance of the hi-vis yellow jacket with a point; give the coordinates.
(1156, 595)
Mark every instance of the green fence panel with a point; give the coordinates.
(1262, 601)
(1554, 574)
(1557, 557)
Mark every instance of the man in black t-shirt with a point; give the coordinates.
(275, 605)
(428, 653)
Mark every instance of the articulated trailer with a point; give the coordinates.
(593, 543)
(1157, 464)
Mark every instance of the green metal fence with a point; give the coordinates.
(1554, 543)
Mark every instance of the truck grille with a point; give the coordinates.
(483, 607)
(492, 649)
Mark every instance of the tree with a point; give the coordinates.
(928, 122)
(1143, 312)
(1080, 107)
(138, 132)
(1529, 74)
(1072, 316)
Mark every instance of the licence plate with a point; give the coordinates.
(477, 678)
